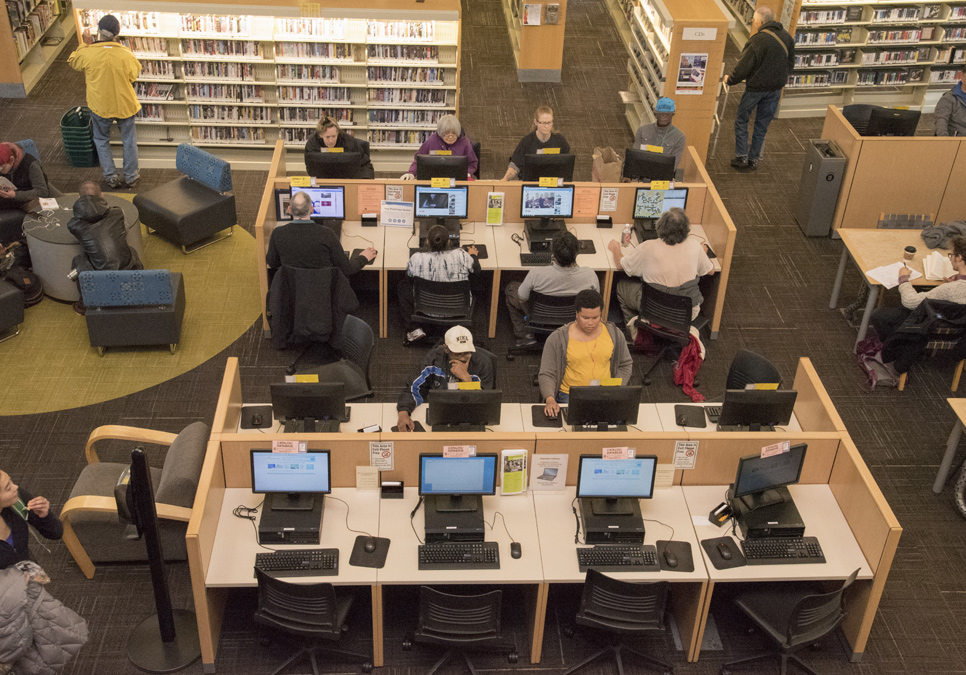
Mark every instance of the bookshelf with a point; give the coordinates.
(235, 82)
(32, 35)
(656, 33)
(537, 42)
(892, 54)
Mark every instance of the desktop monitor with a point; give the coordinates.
(756, 409)
(653, 203)
(308, 400)
(602, 407)
(455, 407)
(457, 483)
(540, 166)
(546, 203)
(290, 480)
(441, 203)
(892, 122)
(337, 165)
(441, 166)
(328, 202)
(613, 484)
(644, 165)
(758, 477)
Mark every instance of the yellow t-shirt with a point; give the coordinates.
(110, 69)
(587, 361)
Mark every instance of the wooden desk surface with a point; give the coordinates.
(510, 421)
(647, 420)
(233, 554)
(823, 519)
(360, 415)
(873, 248)
(398, 241)
(557, 524)
(669, 420)
(508, 251)
(354, 235)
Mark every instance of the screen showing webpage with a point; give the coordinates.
(538, 202)
(327, 202)
(290, 472)
(440, 202)
(457, 475)
(616, 477)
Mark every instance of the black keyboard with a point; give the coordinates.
(598, 427)
(618, 559)
(311, 427)
(742, 427)
(308, 562)
(483, 555)
(782, 551)
(713, 412)
(535, 259)
(458, 427)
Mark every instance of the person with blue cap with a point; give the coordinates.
(662, 134)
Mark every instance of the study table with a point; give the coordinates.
(959, 407)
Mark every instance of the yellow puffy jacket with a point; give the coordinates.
(110, 69)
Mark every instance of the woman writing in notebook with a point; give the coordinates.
(18, 510)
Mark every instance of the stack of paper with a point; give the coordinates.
(888, 275)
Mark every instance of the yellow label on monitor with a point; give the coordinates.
(549, 181)
(300, 181)
(549, 151)
(307, 377)
(442, 182)
(660, 185)
(441, 152)
(469, 386)
(766, 385)
(333, 150)
(611, 381)
(654, 148)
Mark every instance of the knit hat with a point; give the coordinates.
(459, 340)
(109, 24)
(664, 105)
(6, 154)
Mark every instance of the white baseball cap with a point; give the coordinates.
(459, 340)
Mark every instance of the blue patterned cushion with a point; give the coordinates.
(116, 288)
(204, 167)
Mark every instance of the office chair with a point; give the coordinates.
(747, 367)
(793, 617)
(479, 160)
(305, 610)
(442, 303)
(668, 317)
(545, 314)
(622, 608)
(353, 368)
(462, 621)
(858, 115)
(934, 326)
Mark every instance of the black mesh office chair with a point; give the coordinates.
(747, 367)
(622, 608)
(793, 617)
(858, 115)
(353, 368)
(545, 314)
(442, 303)
(479, 160)
(462, 622)
(310, 611)
(667, 317)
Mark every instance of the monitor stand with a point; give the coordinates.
(291, 501)
(602, 506)
(333, 224)
(645, 229)
(454, 518)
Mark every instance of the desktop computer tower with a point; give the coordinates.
(291, 527)
(444, 526)
(612, 529)
(538, 237)
(819, 192)
(775, 520)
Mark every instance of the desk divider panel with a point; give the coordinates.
(837, 129)
(348, 451)
(408, 446)
(954, 198)
(813, 407)
(718, 455)
(590, 443)
(265, 221)
(228, 410)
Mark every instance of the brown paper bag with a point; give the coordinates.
(607, 165)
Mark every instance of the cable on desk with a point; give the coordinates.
(503, 518)
(359, 236)
(413, 515)
(669, 539)
(463, 228)
(347, 517)
(573, 507)
(248, 513)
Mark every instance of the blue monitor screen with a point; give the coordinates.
(327, 202)
(440, 475)
(440, 202)
(290, 472)
(616, 478)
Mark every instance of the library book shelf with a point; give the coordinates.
(31, 37)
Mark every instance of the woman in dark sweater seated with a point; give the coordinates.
(542, 137)
(22, 183)
(329, 135)
(18, 510)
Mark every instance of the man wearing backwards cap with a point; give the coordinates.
(453, 361)
(110, 69)
(662, 133)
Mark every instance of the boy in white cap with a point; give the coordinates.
(662, 134)
(453, 361)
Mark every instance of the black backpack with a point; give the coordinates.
(28, 282)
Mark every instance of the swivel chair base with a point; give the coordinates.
(784, 657)
(312, 651)
(615, 651)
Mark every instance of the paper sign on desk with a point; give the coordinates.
(459, 451)
(660, 185)
(48, 204)
(617, 453)
(685, 453)
(300, 181)
(653, 148)
(494, 208)
(550, 181)
(775, 449)
(307, 377)
(333, 150)
(367, 478)
(888, 275)
(762, 386)
(548, 151)
(381, 455)
(396, 214)
(514, 477)
(611, 381)
(394, 193)
(468, 386)
(369, 198)
(442, 182)
(288, 446)
(549, 472)
(440, 152)
(608, 199)
(585, 202)
(664, 475)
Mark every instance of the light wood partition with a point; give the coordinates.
(592, 443)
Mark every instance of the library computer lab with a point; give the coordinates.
(443, 336)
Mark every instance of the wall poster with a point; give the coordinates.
(691, 73)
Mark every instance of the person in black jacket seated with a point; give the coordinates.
(542, 137)
(100, 229)
(14, 538)
(329, 135)
(305, 243)
(22, 183)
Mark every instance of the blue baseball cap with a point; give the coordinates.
(664, 105)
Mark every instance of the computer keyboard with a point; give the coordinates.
(483, 555)
(309, 426)
(535, 259)
(618, 559)
(308, 562)
(453, 428)
(713, 412)
(782, 551)
(598, 427)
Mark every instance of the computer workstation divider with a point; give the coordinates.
(832, 460)
(704, 207)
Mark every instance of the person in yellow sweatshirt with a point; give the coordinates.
(110, 69)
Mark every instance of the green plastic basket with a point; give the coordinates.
(78, 135)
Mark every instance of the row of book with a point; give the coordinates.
(295, 134)
(809, 80)
(816, 59)
(160, 70)
(233, 24)
(398, 137)
(139, 22)
(824, 16)
(153, 91)
(954, 34)
(292, 114)
(428, 53)
(402, 30)
(314, 94)
(252, 93)
(218, 69)
(228, 134)
(229, 113)
(330, 28)
(414, 75)
(151, 112)
(743, 10)
(896, 14)
(951, 55)
(868, 78)
(899, 35)
(894, 56)
(293, 71)
(146, 45)
(313, 50)
(405, 117)
(32, 28)
(805, 38)
(945, 75)
(408, 96)
(248, 49)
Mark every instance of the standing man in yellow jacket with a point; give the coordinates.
(110, 69)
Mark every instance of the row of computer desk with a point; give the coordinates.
(836, 495)
(710, 220)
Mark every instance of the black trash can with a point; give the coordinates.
(78, 134)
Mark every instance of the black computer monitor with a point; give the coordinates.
(290, 480)
(612, 484)
(455, 407)
(441, 166)
(328, 203)
(540, 166)
(338, 165)
(759, 477)
(441, 206)
(546, 204)
(892, 122)
(308, 401)
(654, 203)
(644, 165)
(756, 409)
(602, 407)
(457, 483)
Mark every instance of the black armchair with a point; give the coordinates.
(667, 316)
(353, 369)
(747, 367)
(442, 303)
(545, 314)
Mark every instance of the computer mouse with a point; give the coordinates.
(370, 545)
(670, 558)
(515, 550)
(724, 551)
(256, 420)
(682, 420)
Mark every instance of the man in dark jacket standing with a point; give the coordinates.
(766, 61)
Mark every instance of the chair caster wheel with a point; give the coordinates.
(669, 671)
(512, 657)
(536, 381)
(695, 384)
(290, 370)
(724, 671)
(647, 382)
(511, 357)
(407, 645)
(367, 667)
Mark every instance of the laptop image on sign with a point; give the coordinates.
(548, 474)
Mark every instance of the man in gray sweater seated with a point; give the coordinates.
(562, 277)
(582, 353)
